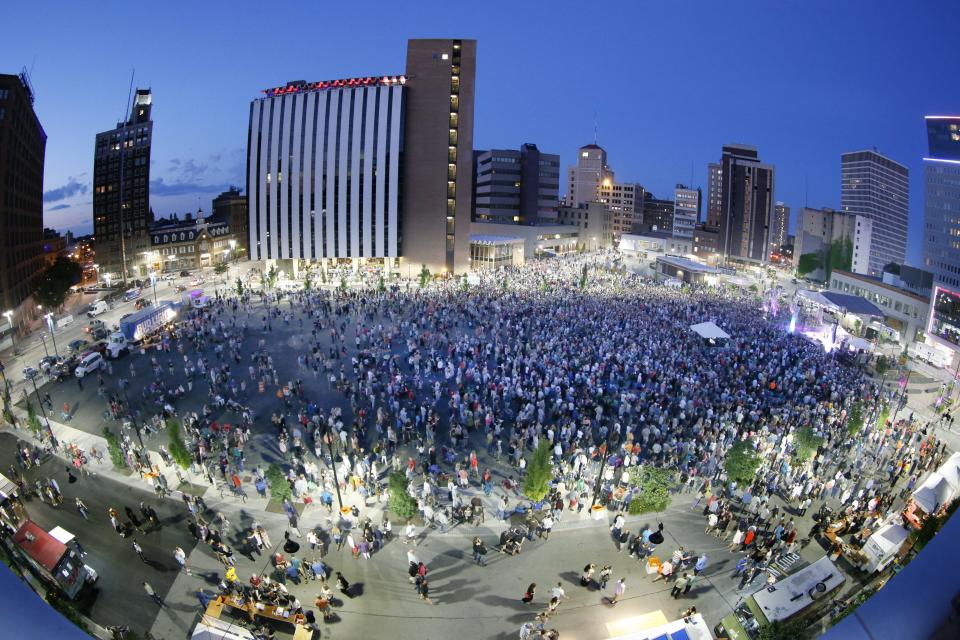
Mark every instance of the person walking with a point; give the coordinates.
(138, 549)
(558, 592)
(618, 591)
(181, 557)
(679, 585)
(343, 585)
(150, 592)
(701, 564)
(410, 533)
(586, 578)
(425, 591)
(528, 595)
(604, 577)
(82, 508)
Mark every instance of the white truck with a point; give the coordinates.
(138, 326)
(98, 307)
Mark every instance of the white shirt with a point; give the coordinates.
(558, 592)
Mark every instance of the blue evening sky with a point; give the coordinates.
(669, 82)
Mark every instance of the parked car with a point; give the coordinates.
(100, 333)
(94, 325)
(30, 373)
(89, 363)
(46, 362)
(78, 345)
(63, 369)
(184, 274)
(99, 347)
(169, 276)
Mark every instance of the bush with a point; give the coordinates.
(279, 485)
(401, 503)
(806, 443)
(58, 601)
(113, 448)
(795, 630)
(855, 418)
(539, 473)
(178, 448)
(741, 462)
(654, 484)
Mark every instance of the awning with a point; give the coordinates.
(210, 628)
(933, 493)
(7, 487)
(950, 470)
(709, 330)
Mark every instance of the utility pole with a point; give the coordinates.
(328, 439)
(53, 440)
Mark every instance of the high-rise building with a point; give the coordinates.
(121, 192)
(714, 194)
(231, 207)
(941, 220)
(625, 201)
(746, 204)
(828, 240)
(585, 178)
(23, 144)
(686, 211)
(779, 227)
(877, 187)
(516, 186)
(378, 167)
(657, 214)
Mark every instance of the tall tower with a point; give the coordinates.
(941, 222)
(746, 204)
(585, 179)
(23, 144)
(714, 194)
(878, 188)
(121, 191)
(437, 167)
(779, 226)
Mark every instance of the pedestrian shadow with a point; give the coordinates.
(571, 576)
(500, 601)
(210, 577)
(158, 566)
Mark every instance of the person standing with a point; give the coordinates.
(81, 507)
(181, 557)
(343, 585)
(479, 550)
(411, 533)
(701, 564)
(558, 592)
(618, 591)
(679, 585)
(138, 549)
(586, 578)
(605, 574)
(528, 596)
(153, 595)
(425, 592)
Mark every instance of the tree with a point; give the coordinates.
(113, 448)
(839, 256)
(279, 485)
(806, 443)
(855, 418)
(33, 421)
(882, 365)
(583, 277)
(741, 462)
(239, 288)
(220, 268)
(308, 281)
(343, 283)
(271, 276)
(401, 502)
(381, 285)
(808, 263)
(424, 276)
(56, 281)
(654, 484)
(795, 630)
(539, 473)
(178, 448)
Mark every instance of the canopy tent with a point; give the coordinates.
(7, 487)
(933, 493)
(710, 331)
(883, 546)
(210, 628)
(951, 471)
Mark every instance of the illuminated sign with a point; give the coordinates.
(301, 87)
(944, 323)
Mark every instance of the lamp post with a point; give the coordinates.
(603, 463)
(96, 268)
(49, 319)
(328, 439)
(13, 331)
(133, 418)
(53, 440)
(153, 283)
(43, 339)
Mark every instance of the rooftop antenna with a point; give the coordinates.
(806, 191)
(594, 127)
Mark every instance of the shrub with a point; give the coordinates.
(279, 485)
(401, 503)
(178, 448)
(806, 443)
(741, 462)
(654, 484)
(113, 448)
(794, 630)
(539, 473)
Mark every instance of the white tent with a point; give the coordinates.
(951, 471)
(210, 628)
(933, 493)
(883, 546)
(710, 331)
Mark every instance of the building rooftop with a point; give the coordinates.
(853, 304)
(488, 239)
(877, 282)
(300, 86)
(687, 264)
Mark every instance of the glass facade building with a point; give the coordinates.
(941, 224)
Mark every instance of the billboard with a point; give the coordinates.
(944, 323)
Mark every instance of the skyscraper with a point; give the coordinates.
(746, 204)
(516, 186)
(625, 201)
(714, 194)
(779, 227)
(686, 211)
(941, 220)
(122, 164)
(231, 206)
(23, 144)
(877, 187)
(585, 178)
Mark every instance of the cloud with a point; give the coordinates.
(159, 187)
(58, 207)
(72, 188)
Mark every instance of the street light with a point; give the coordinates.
(53, 440)
(106, 277)
(13, 332)
(49, 318)
(153, 282)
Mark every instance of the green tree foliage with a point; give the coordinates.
(220, 268)
(52, 289)
(239, 287)
(794, 630)
(882, 365)
(806, 442)
(280, 488)
(931, 526)
(654, 484)
(808, 263)
(539, 473)
(381, 285)
(308, 281)
(401, 503)
(113, 448)
(583, 277)
(279, 485)
(855, 418)
(178, 448)
(272, 276)
(33, 421)
(343, 283)
(741, 462)
(840, 256)
(424, 276)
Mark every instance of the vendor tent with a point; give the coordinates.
(883, 546)
(210, 628)
(710, 331)
(933, 493)
(951, 472)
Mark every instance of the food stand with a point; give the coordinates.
(883, 547)
(934, 493)
(253, 610)
(11, 509)
(57, 563)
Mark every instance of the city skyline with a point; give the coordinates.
(203, 94)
